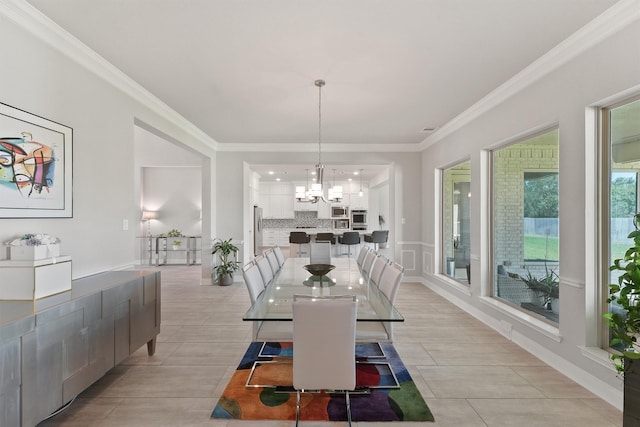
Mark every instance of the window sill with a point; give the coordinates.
(550, 331)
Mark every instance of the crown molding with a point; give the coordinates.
(35, 22)
(311, 148)
(611, 21)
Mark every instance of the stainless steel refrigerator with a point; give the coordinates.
(257, 230)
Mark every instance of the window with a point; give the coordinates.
(525, 225)
(456, 227)
(621, 131)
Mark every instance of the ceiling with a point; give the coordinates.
(298, 173)
(243, 71)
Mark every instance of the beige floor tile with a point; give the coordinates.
(487, 381)
(538, 412)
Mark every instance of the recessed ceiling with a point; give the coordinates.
(298, 173)
(243, 71)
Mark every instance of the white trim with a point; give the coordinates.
(614, 19)
(411, 255)
(571, 282)
(35, 22)
(416, 242)
(310, 148)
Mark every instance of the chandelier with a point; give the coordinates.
(316, 192)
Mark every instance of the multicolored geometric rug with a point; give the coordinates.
(402, 403)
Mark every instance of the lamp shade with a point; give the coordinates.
(147, 215)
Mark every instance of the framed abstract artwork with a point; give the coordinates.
(36, 166)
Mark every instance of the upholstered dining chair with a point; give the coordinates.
(361, 255)
(299, 238)
(253, 280)
(277, 250)
(324, 345)
(265, 269)
(320, 252)
(389, 284)
(379, 264)
(349, 238)
(273, 260)
(264, 331)
(370, 257)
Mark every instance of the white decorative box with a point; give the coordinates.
(32, 280)
(31, 253)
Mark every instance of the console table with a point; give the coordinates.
(55, 347)
(159, 248)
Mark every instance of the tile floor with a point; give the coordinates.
(468, 374)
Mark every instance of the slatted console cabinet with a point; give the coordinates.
(54, 348)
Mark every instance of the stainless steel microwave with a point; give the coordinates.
(339, 212)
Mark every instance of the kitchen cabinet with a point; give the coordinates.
(276, 200)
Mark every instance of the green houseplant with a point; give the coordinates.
(227, 263)
(624, 324)
(547, 286)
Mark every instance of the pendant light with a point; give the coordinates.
(361, 193)
(317, 192)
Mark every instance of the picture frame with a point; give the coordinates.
(36, 166)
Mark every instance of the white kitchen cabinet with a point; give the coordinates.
(276, 200)
(356, 201)
(324, 210)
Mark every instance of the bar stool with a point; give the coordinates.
(377, 237)
(349, 238)
(299, 238)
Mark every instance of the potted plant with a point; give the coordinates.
(225, 267)
(176, 244)
(546, 286)
(624, 324)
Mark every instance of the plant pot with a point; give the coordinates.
(176, 247)
(225, 280)
(631, 412)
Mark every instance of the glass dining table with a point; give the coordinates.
(275, 302)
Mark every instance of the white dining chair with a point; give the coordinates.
(253, 280)
(265, 270)
(320, 253)
(379, 264)
(264, 330)
(367, 264)
(273, 261)
(389, 285)
(361, 255)
(279, 255)
(324, 345)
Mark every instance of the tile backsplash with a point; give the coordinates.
(302, 219)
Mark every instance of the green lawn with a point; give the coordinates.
(540, 248)
(535, 248)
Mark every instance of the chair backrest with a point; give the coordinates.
(362, 255)
(324, 335)
(326, 237)
(390, 280)
(265, 270)
(320, 253)
(253, 280)
(279, 255)
(299, 237)
(380, 236)
(273, 261)
(379, 264)
(369, 258)
(350, 238)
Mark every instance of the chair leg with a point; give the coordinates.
(297, 407)
(348, 408)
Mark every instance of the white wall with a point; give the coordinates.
(46, 82)
(610, 67)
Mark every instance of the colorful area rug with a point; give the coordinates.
(402, 403)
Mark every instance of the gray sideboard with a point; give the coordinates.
(54, 348)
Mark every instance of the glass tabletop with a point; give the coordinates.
(275, 302)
